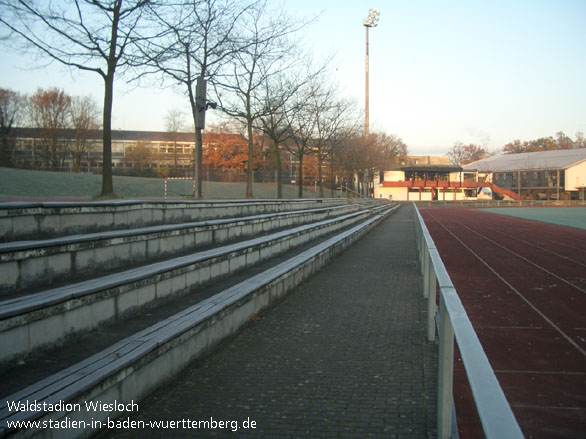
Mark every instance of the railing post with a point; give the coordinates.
(425, 270)
(445, 374)
(421, 252)
(431, 304)
(417, 235)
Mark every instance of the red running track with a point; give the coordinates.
(523, 284)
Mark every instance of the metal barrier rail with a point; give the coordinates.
(348, 190)
(495, 413)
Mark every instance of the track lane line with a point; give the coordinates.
(538, 247)
(553, 407)
(521, 296)
(520, 257)
(540, 372)
(506, 219)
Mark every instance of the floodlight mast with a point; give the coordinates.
(371, 21)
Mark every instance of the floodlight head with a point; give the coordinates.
(373, 17)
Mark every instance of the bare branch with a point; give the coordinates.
(90, 35)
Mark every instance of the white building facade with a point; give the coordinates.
(545, 175)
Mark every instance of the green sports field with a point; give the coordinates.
(19, 184)
(563, 216)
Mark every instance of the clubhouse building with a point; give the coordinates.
(545, 175)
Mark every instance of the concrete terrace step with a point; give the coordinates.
(133, 367)
(48, 318)
(28, 264)
(19, 220)
(42, 363)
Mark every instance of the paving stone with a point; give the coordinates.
(344, 355)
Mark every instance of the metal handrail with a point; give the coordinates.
(496, 416)
(348, 190)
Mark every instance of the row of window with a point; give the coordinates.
(528, 179)
(30, 144)
(436, 176)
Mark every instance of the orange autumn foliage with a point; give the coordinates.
(227, 151)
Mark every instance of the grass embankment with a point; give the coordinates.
(20, 184)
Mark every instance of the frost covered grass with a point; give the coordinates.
(20, 184)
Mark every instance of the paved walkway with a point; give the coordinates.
(343, 356)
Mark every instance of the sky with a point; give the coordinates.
(441, 71)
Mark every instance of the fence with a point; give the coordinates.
(494, 411)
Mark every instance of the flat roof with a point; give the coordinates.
(117, 135)
(440, 168)
(527, 161)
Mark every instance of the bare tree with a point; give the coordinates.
(340, 136)
(274, 126)
(392, 150)
(174, 122)
(382, 152)
(279, 110)
(140, 156)
(580, 140)
(49, 112)
(363, 157)
(12, 109)
(332, 117)
(461, 154)
(198, 37)
(264, 52)
(350, 156)
(84, 118)
(89, 35)
(303, 127)
(456, 153)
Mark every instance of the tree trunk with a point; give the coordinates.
(349, 178)
(54, 155)
(107, 183)
(320, 175)
(332, 176)
(250, 171)
(5, 155)
(175, 158)
(279, 171)
(300, 176)
(76, 157)
(197, 154)
(198, 163)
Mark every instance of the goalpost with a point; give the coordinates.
(179, 178)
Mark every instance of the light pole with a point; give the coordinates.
(371, 21)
